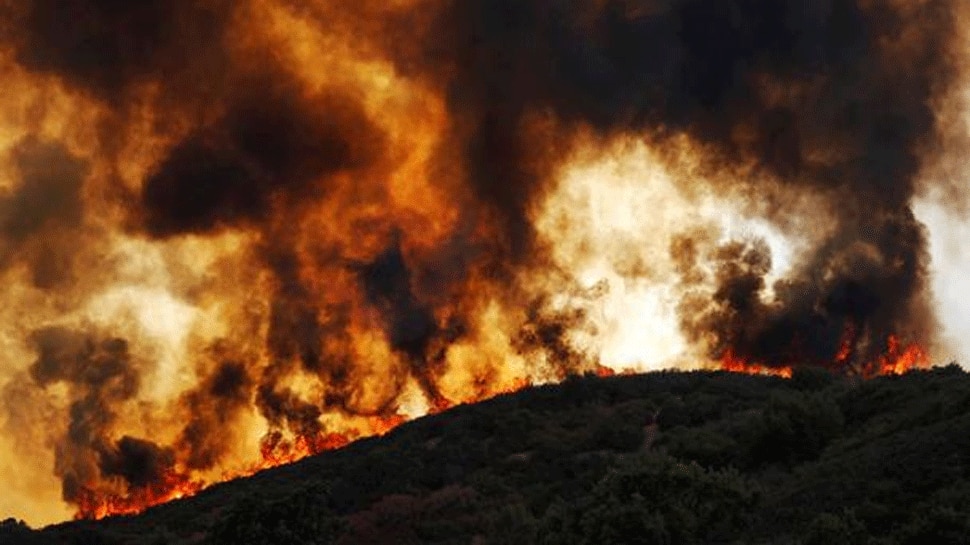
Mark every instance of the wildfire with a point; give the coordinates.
(383, 424)
(846, 345)
(734, 364)
(93, 504)
(231, 233)
(602, 371)
(896, 360)
(276, 449)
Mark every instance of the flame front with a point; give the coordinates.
(234, 234)
(97, 505)
(729, 362)
(894, 361)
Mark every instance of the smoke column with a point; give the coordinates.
(237, 233)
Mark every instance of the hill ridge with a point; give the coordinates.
(734, 458)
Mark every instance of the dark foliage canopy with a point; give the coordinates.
(664, 458)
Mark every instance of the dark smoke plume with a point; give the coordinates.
(410, 326)
(100, 376)
(49, 191)
(296, 335)
(139, 462)
(387, 285)
(41, 217)
(271, 144)
(833, 97)
(105, 46)
(212, 408)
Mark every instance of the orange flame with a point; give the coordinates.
(896, 360)
(844, 354)
(383, 424)
(734, 364)
(94, 504)
(275, 450)
(602, 371)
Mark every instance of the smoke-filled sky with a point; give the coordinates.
(232, 233)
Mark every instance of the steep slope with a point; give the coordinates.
(659, 458)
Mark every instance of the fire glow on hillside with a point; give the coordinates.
(234, 234)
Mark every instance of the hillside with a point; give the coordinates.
(667, 458)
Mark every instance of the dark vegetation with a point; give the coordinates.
(664, 458)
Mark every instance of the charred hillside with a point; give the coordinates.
(659, 458)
